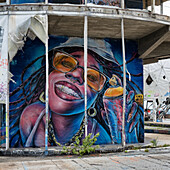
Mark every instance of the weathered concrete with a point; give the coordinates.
(136, 159)
(104, 22)
(152, 129)
(160, 124)
(158, 127)
(54, 151)
(162, 139)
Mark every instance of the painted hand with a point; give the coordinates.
(114, 109)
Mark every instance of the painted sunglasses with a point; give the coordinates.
(65, 63)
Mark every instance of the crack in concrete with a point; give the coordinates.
(78, 163)
(123, 164)
(96, 164)
(55, 164)
(159, 159)
(151, 161)
(89, 164)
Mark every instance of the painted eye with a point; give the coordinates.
(91, 77)
(67, 64)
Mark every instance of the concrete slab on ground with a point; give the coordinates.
(56, 151)
(164, 123)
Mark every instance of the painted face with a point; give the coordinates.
(66, 87)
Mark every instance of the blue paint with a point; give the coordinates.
(106, 125)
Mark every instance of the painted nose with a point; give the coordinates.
(76, 76)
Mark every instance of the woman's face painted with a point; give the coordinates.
(66, 89)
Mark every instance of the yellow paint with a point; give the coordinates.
(114, 92)
(139, 99)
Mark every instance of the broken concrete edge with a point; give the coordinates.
(157, 124)
(157, 131)
(34, 152)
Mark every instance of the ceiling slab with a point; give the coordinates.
(150, 42)
(151, 37)
(100, 27)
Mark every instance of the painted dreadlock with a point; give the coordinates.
(28, 92)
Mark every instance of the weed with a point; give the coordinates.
(85, 148)
(154, 142)
(136, 148)
(146, 150)
(166, 145)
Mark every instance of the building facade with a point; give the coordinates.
(74, 68)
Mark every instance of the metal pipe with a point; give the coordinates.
(124, 84)
(153, 6)
(169, 89)
(85, 71)
(7, 109)
(46, 1)
(46, 92)
(8, 2)
(7, 95)
(122, 4)
(7, 112)
(161, 10)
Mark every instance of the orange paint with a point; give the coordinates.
(114, 92)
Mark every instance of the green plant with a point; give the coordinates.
(154, 142)
(85, 148)
(136, 148)
(146, 150)
(166, 145)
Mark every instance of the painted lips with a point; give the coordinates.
(67, 91)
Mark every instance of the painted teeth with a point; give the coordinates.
(67, 90)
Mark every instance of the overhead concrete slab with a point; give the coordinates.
(104, 22)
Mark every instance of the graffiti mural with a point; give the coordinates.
(97, 2)
(3, 77)
(3, 68)
(117, 3)
(26, 1)
(66, 92)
